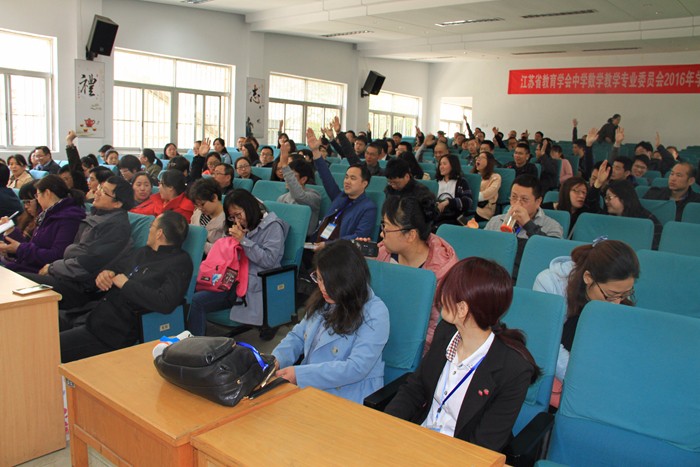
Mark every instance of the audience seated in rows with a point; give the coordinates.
(680, 180)
(171, 196)
(297, 174)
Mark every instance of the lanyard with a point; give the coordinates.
(340, 212)
(444, 401)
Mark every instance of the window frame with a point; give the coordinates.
(393, 115)
(305, 104)
(175, 91)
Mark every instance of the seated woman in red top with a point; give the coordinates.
(171, 196)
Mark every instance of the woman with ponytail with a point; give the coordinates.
(473, 380)
(61, 211)
(407, 222)
(605, 270)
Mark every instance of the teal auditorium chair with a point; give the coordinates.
(474, 182)
(37, 174)
(641, 191)
(667, 282)
(691, 213)
(408, 313)
(338, 168)
(637, 233)
(377, 183)
(431, 185)
(243, 184)
(507, 178)
(660, 182)
(538, 253)
(563, 217)
(541, 317)
(325, 200)
(279, 284)
(498, 246)
(551, 197)
(681, 238)
(378, 198)
(155, 325)
(262, 172)
(630, 396)
(665, 211)
(267, 190)
(652, 175)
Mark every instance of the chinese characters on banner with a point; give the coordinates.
(90, 99)
(651, 79)
(255, 104)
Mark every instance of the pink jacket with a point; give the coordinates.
(441, 257)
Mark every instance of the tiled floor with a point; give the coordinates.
(62, 458)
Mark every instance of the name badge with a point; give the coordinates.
(328, 231)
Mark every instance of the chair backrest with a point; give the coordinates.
(667, 282)
(338, 168)
(432, 185)
(641, 181)
(631, 390)
(474, 182)
(665, 211)
(377, 183)
(297, 216)
(262, 172)
(16, 191)
(503, 157)
(681, 238)
(659, 182)
(140, 225)
(637, 233)
(691, 213)
(507, 177)
(243, 184)
(551, 197)
(563, 217)
(541, 317)
(378, 198)
(641, 190)
(268, 190)
(498, 246)
(408, 313)
(325, 199)
(194, 246)
(538, 253)
(37, 174)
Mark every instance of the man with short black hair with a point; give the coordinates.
(521, 161)
(223, 176)
(46, 163)
(400, 182)
(297, 174)
(360, 145)
(267, 156)
(397, 138)
(102, 238)
(152, 278)
(402, 147)
(128, 166)
(640, 166)
(680, 180)
(622, 170)
(243, 169)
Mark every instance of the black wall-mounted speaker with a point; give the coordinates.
(373, 84)
(102, 35)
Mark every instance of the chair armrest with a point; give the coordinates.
(379, 399)
(525, 448)
(274, 271)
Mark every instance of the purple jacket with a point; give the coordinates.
(50, 239)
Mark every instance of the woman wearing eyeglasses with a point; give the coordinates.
(605, 271)
(343, 332)
(56, 226)
(261, 234)
(575, 198)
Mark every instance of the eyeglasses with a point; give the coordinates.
(382, 226)
(580, 192)
(609, 198)
(612, 298)
(516, 198)
(241, 166)
(27, 202)
(316, 277)
(235, 216)
(101, 189)
(218, 173)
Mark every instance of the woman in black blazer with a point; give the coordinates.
(492, 363)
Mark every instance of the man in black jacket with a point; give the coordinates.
(399, 181)
(680, 180)
(152, 278)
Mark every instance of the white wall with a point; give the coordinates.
(673, 115)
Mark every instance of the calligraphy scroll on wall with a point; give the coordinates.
(89, 99)
(648, 79)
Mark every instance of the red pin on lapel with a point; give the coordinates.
(481, 393)
(486, 392)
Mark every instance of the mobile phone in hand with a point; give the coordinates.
(368, 249)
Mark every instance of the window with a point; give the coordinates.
(452, 118)
(26, 74)
(302, 103)
(159, 99)
(393, 113)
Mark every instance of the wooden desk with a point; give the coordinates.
(119, 405)
(31, 402)
(311, 427)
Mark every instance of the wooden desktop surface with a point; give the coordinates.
(311, 427)
(31, 403)
(120, 405)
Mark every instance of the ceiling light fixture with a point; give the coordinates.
(467, 21)
(612, 49)
(195, 2)
(350, 33)
(560, 13)
(540, 53)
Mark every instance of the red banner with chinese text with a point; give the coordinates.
(648, 79)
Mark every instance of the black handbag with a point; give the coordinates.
(216, 368)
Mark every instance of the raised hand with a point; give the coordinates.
(658, 140)
(603, 174)
(313, 143)
(335, 124)
(284, 154)
(204, 147)
(70, 137)
(591, 137)
(574, 122)
(620, 136)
